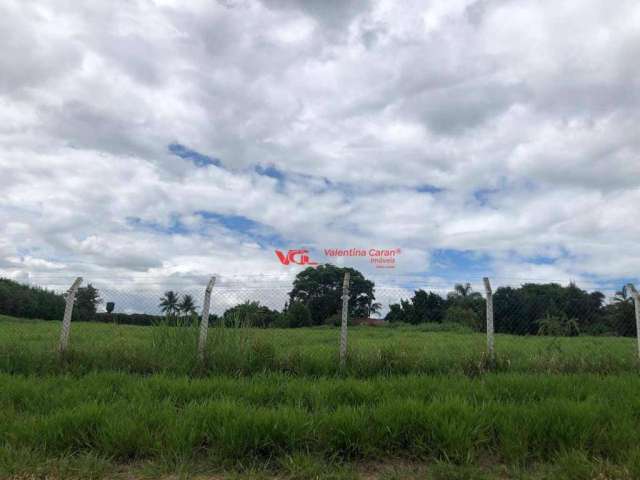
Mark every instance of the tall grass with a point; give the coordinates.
(277, 399)
(30, 348)
(515, 418)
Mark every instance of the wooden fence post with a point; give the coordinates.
(204, 323)
(636, 302)
(68, 311)
(345, 316)
(490, 339)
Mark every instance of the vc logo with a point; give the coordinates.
(298, 257)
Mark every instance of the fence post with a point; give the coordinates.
(204, 323)
(68, 311)
(490, 340)
(636, 302)
(345, 315)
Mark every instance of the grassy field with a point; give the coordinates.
(132, 402)
(29, 347)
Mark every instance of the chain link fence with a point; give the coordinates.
(402, 322)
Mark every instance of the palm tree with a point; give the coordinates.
(169, 303)
(187, 306)
(463, 291)
(374, 308)
(623, 296)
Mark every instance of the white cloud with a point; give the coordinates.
(524, 115)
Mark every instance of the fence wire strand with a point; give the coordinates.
(520, 309)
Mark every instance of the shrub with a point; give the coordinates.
(298, 315)
(334, 320)
(558, 326)
(445, 327)
(463, 316)
(128, 318)
(249, 314)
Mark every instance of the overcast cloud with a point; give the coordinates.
(155, 139)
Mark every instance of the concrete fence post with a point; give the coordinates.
(345, 316)
(204, 323)
(68, 311)
(490, 340)
(636, 302)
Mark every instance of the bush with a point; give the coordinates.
(281, 321)
(558, 326)
(463, 316)
(128, 318)
(249, 314)
(298, 315)
(334, 320)
(599, 329)
(445, 327)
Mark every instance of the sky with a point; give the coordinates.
(160, 141)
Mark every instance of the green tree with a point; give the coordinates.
(87, 301)
(250, 314)
(518, 310)
(422, 307)
(169, 303)
(28, 301)
(187, 306)
(463, 316)
(298, 315)
(620, 314)
(463, 291)
(374, 308)
(320, 289)
(395, 313)
(427, 307)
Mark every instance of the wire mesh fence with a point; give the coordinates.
(401, 326)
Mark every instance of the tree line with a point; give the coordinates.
(29, 302)
(531, 309)
(315, 299)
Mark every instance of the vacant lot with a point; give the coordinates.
(28, 346)
(134, 401)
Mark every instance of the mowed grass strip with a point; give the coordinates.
(515, 418)
(29, 347)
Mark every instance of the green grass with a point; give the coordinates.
(29, 347)
(519, 420)
(133, 401)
